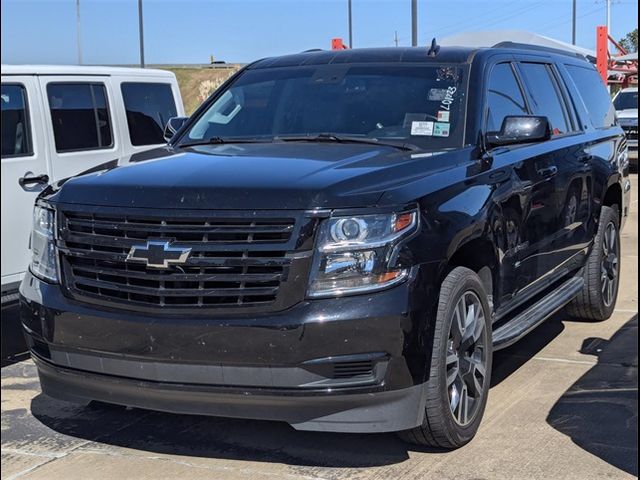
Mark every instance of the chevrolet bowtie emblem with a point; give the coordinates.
(158, 254)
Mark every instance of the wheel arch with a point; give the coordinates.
(479, 255)
(614, 196)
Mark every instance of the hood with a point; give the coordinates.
(252, 176)
(628, 113)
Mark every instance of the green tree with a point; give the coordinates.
(630, 42)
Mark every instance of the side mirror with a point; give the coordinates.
(173, 125)
(520, 129)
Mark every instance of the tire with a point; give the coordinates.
(597, 302)
(444, 426)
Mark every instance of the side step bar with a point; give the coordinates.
(519, 326)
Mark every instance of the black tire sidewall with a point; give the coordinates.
(609, 215)
(465, 280)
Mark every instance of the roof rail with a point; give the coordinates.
(542, 48)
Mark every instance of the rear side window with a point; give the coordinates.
(545, 93)
(148, 106)
(504, 98)
(594, 95)
(80, 116)
(16, 131)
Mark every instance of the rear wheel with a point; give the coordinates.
(597, 301)
(460, 374)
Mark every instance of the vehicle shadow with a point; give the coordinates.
(222, 438)
(14, 347)
(600, 411)
(509, 360)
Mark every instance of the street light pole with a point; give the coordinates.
(78, 32)
(414, 23)
(350, 25)
(141, 32)
(573, 22)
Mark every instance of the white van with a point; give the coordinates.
(58, 121)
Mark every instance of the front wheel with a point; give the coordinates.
(460, 374)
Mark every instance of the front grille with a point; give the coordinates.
(235, 261)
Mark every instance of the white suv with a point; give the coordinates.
(58, 121)
(626, 104)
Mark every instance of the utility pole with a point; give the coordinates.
(396, 38)
(78, 32)
(350, 25)
(414, 23)
(573, 22)
(141, 32)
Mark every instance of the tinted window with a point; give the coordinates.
(594, 95)
(80, 116)
(16, 133)
(626, 101)
(545, 93)
(504, 97)
(149, 106)
(421, 105)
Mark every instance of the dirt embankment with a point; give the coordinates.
(196, 84)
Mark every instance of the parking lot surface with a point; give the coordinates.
(563, 406)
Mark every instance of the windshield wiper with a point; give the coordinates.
(334, 138)
(223, 140)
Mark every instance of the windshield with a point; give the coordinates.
(422, 105)
(626, 101)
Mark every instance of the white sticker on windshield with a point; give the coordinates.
(437, 94)
(441, 129)
(422, 128)
(443, 116)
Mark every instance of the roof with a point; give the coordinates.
(491, 38)
(81, 70)
(367, 55)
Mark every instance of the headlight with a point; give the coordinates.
(354, 254)
(43, 251)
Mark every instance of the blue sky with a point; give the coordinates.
(188, 31)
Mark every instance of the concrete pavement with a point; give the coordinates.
(563, 406)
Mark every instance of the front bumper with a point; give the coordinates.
(307, 366)
(383, 411)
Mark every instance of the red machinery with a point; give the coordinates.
(614, 68)
(338, 44)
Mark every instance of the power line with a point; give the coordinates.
(550, 26)
(515, 14)
(499, 19)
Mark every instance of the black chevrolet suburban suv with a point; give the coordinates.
(338, 240)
